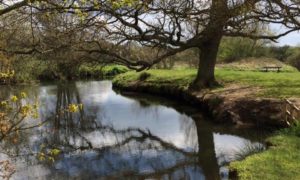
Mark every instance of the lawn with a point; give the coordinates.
(281, 161)
(279, 85)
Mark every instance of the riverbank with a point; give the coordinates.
(245, 97)
(280, 161)
(84, 72)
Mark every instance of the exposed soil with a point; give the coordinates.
(234, 104)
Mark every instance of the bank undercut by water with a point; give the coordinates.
(245, 97)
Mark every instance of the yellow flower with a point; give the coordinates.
(51, 159)
(12, 73)
(14, 99)
(55, 152)
(23, 95)
(25, 110)
(3, 103)
(35, 115)
(41, 156)
(73, 108)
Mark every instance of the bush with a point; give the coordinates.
(233, 49)
(280, 53)
(294, 58)
(144, 75)
(112, 70)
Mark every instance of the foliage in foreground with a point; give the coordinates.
(13, 115)
(15, 112)
(16, 115)
(284, 84)
(280, 161)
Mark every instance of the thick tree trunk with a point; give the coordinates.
(207, 60)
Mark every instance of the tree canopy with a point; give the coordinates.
(140, 34)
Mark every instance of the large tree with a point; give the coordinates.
(173, 26)
(168, 27)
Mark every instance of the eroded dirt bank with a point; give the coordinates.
(234, 104)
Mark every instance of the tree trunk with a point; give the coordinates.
(207, 60)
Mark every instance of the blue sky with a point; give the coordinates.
(292, 39)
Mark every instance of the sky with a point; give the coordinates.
(292, 39)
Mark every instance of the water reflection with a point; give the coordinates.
(119, 137)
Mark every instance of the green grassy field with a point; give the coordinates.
(281, 161)
(273, 84)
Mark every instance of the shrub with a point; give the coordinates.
(280, 52)
(233, 49)
(144, 75)
(294, 59)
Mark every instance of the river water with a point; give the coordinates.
(120, 137)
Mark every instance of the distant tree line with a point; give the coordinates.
(236, 49)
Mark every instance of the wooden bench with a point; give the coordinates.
(267, 68)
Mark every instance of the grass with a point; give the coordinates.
(279, 85)
(255, 64)
(180, 78)
(284, 84)
(100, 71)
(280, 161)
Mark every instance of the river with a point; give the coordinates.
(120, 137)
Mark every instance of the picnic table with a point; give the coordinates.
(272, 68)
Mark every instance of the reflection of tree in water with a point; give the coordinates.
(95, 150)
(67, 125)
(103, 151)
(91, 149)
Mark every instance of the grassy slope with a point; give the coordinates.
(280, 161)
(284, 84)
(255, 64)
